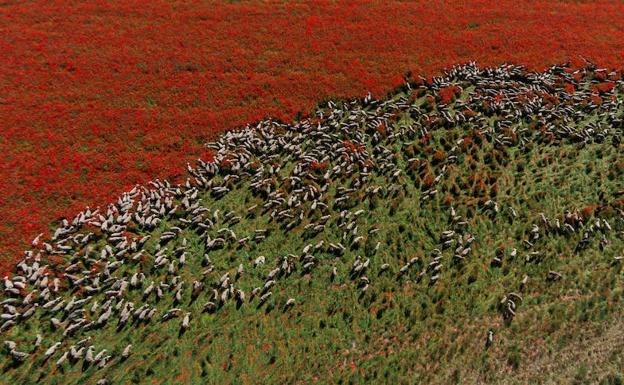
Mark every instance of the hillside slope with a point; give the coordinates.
(466, 230)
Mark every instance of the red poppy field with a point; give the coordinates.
(96, 97)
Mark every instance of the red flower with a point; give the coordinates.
(603, 88)
(596, 99)
(352, 147)
(569, 88)
(449, 93)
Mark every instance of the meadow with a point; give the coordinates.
(463, 229)
(98, 96)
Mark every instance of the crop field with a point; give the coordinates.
(97, 96)
(466, 228)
